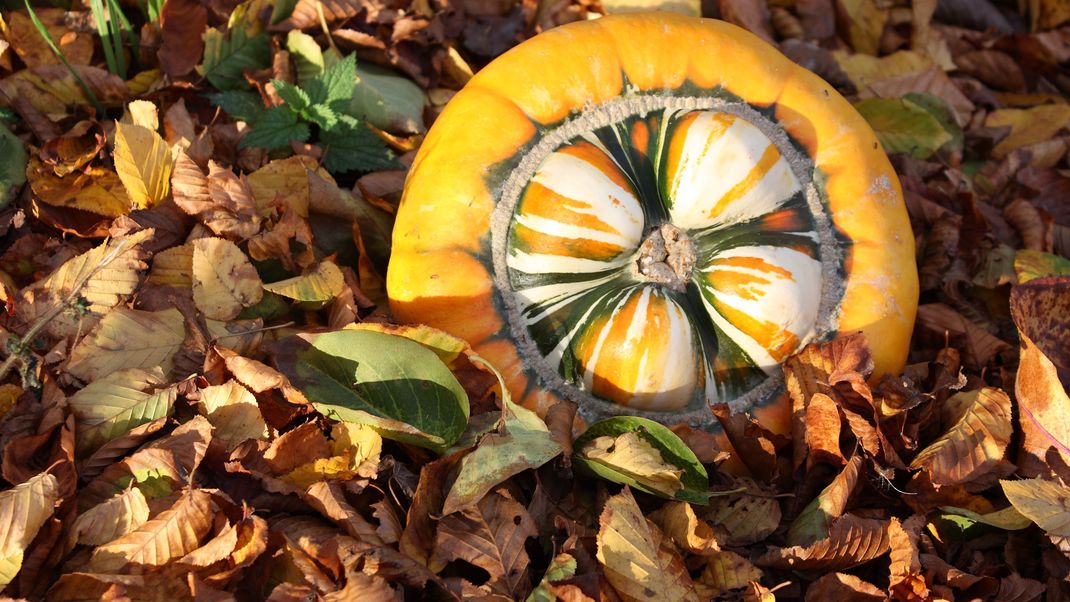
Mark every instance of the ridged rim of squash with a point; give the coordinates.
(442, 268)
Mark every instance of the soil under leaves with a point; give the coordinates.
(160, 441)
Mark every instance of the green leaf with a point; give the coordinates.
(672, 450)
(227, 56)
(335, 84)
(938, 108)
(396, 385)
(307, 55)
(904, 126)
(239, 104)
(322, 115)
(1008, 519)
(562, 567)
(1029, 265)
(282, 10)
(350, 146)
(294, 97)
(275, 128)
(388, 101)
(12, 165)
(522, 441)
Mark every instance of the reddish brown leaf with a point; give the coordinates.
(840, 586)
(852, 541)
(183, 23)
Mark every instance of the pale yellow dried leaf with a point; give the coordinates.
(142, 113)
(129, 338)
(94, 189)
(975, 443)
(1028, 126)
(286, 181)
(112, 519)
(865, 69)
(172, 534)
(172, 267)
(143, 162)
(725, 571)
(224, 281)
(631, 454)
(234, 413)
(323, 283)
(103, 276)
(232, 210)
(23, 509)
(108, 407)
(684, 7)
(1046, 503)
(690, 533)
(744, 518)
(639, 562)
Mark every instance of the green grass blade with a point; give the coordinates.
(41, 29)
(101, 20)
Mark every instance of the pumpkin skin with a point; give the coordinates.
(648, 213)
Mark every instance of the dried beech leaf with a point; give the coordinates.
(224, 282)
(906, 580)
(744, 518)
(841, 586)
(23, 510)
(639, 561)
(182, 25)
(112, 519)
(725, 571)
(128, 338)
(630, 454)
(974, 444)
(323, 283)
(1044, 502)
(678, 521)
(814, 522)
(852, 541)
(170, 535)
(491, 536)
(234, 413)
(1027, 126)
(143, 161)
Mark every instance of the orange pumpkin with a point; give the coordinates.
(647, 214)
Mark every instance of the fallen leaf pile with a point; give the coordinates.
(203, 396)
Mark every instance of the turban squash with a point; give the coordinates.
(647, 214)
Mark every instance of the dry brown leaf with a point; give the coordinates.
(128, 338)
(328, 498)
(816, 519)
(77, 47)
(852, 541)
(1016, 588)
(234, 413)
(109, 407)
(639, 561)
(491, 536)
(112, 519)
(841, 586)
(224, 281)
(906, 581)
(631, 454)
(24, 509)
(725, 571)
(678, 521)
(95, 190)
(742, 519)
(752, 15)
(981, 346)
(170, 535)
(822, 422)
(974, 444)
(221, 200)
(182, 25)
(863, 23)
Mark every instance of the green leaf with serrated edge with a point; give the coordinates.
(388, 100)
(12, 165)
(295, 98)
(672, 449)
(903, 126)
(1008, 519)
(352, 147)
(322, 115)
(1029, 265)
(522, 441)
(240, 105)
(227, 56)
(393, 384)
(275, 128)
(335, 84)
(307, 55)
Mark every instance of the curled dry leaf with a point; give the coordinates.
(182, 25)
(112, 519)
(725, 571)
(24, 509)
(906, 581)
(639, 561)
(841, 586)
(814, 522)
(678, 521)
(234, 413)
(321, 284)
(852, 541)
(976, 441)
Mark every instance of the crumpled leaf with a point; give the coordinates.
(143, 161)
(520, 442)
(974, 443)
(852, 541)
(94, 190)
(815, 520)
(171, 534)
(23, 510)
(224, 282)
(491, 536)
(678, 521)
(906, 580)
(642, 454)
(234, 413)
(638, 560)
(109, 407)
(221, 200)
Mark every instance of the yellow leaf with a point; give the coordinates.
(865, 24)
(110, 406)
(224, 282)
(143, 161)
(684, 7)
(94, 189)
(631, 454)
(323, 283)
(112, 519)
(286, 180)
(172, 267)
(725, 571)
(864, 70)
(639, 561)
(129, 338)
(1028, 126)
(142, 113)
(688, 531)
(9, 394)
(23, 509)
(234, 413)
(1044, 502)
(172, 534)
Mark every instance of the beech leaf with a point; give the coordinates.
(112, 519)
(974, 444)
(143, 161)
(109, 407)
(23, 510)
(224, 282)
(1044, 502)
